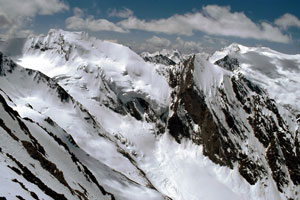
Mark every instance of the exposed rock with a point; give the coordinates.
(161, 59)
(228, 63)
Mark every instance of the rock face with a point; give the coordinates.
(236, 122)
(161, 59)
(82, 118)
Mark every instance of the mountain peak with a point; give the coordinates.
(62, 53)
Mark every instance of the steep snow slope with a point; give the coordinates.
(50, 114)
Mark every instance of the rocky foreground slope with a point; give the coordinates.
(88, 119)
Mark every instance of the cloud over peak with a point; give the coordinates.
(156, 43)
(212, 20)
(79, 21)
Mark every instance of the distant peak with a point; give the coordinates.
(170, 51)
(235, 47)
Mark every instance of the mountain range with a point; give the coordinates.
(83, 118)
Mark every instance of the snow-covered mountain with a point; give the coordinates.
(83, 118)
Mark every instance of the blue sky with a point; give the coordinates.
(189, 25)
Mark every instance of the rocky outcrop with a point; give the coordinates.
(224, 124)
(228, 63)
(160, 59)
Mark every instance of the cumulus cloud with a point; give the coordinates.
(159, 42)
(123, 13)
(188, 46)
(156, 43)
(14, 15)
(287, 20)
(214, 20)
(173, 25)
(79, 21)
(89, 23)
(29, 8)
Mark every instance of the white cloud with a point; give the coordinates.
(159, 42)
(188, 46)
(79, 22)
(287, 20)
(89, 23)
(30, 8)
(173, 25)
(14, 15)
(214, 20)
(124, 13)
(156, 43)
